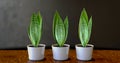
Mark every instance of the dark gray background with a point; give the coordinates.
(15, 18)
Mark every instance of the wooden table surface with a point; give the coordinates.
(21, 56)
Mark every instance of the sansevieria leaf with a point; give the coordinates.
(83, 31)
(85, 27)
(60, 29)
(84, 15)
(35, 29)
(60, 32)
(89, 28)
(55, 19)
(66, 28)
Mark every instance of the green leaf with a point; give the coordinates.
(85, 27)
(33, 17)
(60, 29)
(66, 28)
(35, 29)
(60, 34)
(39, 28)
(84, 15)
(90, 27)
(54, 22)
(83, 31)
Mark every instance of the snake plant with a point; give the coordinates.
(60, 29)
(35, 29)
(85, 27)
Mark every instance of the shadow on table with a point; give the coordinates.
(39, 61)
(80, 61)
(64, 61)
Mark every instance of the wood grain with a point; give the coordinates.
(21, 56)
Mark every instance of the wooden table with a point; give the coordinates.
(21, 56)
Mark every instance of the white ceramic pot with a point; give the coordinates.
(84, 53)
(36, 53)
(60, 53)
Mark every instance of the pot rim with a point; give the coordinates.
(43, 45)
(91, 45)
(67, 45)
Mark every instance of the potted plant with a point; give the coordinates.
(60, 32)
(35, 50)
(84, 50)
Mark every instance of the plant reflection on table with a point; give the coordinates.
(54, 61)
(36, 61)
(62, 62)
